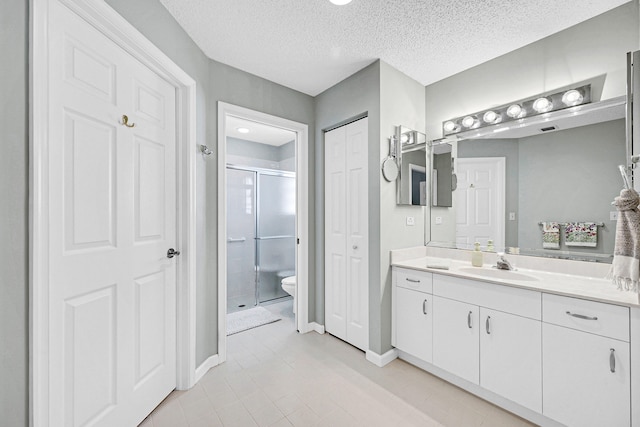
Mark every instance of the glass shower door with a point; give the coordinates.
(275, 234)
(241, 242)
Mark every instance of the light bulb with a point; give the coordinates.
(542, 105)
(572, 97)
(243, 130)
(514, 111)
(490, 117)
(340, 2)
(468, 121)
(449, 126)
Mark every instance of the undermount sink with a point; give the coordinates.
(497, 274)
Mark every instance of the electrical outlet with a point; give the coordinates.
(512, 216)
(613, 215)
(438, 220)
(411, 220)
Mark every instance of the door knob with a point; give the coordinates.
(355, 247)
(172, 252)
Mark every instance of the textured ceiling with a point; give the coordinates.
(310, 45)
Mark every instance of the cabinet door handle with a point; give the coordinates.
(612, 360)
(582, 316)
(487, 325)
(469, 320)
(408, 279)
(424, 307)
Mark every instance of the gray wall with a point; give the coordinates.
(237, 87)
(216, 82)
(571, 175)
(352, 97)
(594, 50)
(402, 102)
(507, 148)
(14, 285)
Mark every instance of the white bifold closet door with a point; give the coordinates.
(112, 210)
(346, 234)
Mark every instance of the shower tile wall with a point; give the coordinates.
(253, 154)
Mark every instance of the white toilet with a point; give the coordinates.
(289, 286)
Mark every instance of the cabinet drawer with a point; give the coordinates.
(589, 316)
(413, 279)
(521, 302)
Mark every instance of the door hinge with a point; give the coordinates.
(298, 240)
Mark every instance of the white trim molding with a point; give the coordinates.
(107, 21)
(316, 327)
(302, 215)
(382, 360)
(202, 370)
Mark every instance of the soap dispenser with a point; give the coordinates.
(490, 247)
(476, 255)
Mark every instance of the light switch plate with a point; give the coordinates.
(512, 216)
(411, 220)
(613, 215)
(438, 220)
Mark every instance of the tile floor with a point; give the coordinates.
(277, 377)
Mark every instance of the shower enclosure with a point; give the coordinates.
(261, 221)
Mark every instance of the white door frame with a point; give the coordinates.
(302, 215)
(106, 20)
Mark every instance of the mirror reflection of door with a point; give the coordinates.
(418, 184)
(480, 200)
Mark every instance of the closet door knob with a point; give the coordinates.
(172, 252)
(355, 247)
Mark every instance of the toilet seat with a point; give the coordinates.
(289, 286)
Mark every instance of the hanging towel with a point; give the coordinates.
(550, 235)
(581, 234)
(625, 269)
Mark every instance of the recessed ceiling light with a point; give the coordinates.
(243, 130)
(340, 2)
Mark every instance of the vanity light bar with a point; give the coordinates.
(533, 106)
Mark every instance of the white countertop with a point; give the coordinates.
(595, 289)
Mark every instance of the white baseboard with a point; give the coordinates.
(382, 360)
(206, 365)
(314, 326)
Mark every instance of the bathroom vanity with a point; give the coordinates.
(554, 348)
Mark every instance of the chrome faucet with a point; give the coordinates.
(503, 263)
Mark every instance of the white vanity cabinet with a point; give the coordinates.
(413, 313)
(511, 357)
(586, 362)
(549, 358)
(456, 341)
(489, 335)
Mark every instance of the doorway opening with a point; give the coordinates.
(261, 214)
(263, 217)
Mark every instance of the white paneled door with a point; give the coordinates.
(346, 234)
(112, 207)
(480, 201)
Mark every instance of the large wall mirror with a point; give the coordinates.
(564, 170)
